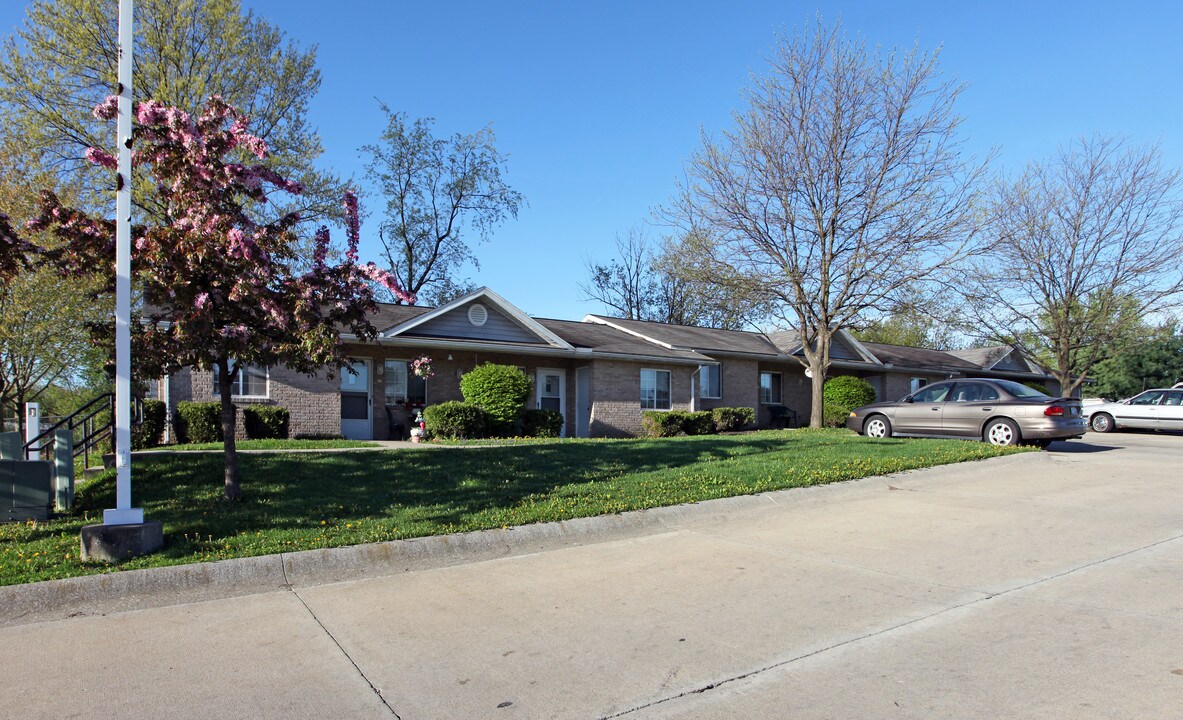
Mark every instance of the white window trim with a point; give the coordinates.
(760, 388)
(406, 386)
(701, 385)
(671, 386)
(916, 384)
(238, 382)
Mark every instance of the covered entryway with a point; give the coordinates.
(357, 421)
(551, 392)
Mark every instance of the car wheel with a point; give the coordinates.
(1002, 432)
(1102, 423)
(877, 426)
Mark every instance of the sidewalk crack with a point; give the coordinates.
(344, 652)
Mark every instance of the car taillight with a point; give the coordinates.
(1054, 411)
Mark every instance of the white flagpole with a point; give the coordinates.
(124, 513)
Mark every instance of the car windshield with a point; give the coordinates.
(1020, 390)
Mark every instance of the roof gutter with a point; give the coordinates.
(521, 350)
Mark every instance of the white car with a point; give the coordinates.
(1159, 409)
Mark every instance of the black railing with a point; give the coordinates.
(95, 421)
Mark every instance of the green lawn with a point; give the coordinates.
(271, 445)
(316, 500)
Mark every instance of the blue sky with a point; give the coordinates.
(598, 105)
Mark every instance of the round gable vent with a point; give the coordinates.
(477, 314)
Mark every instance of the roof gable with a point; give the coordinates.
(482, 315)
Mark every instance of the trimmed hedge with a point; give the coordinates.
(848, 391)
(834, 416)
(733, 418)
(542, 423)
(698, 423)
(501, 391)
(199, 422)
(147, 433)
(661, 424)
(266, 422)
(658, 423)
(455, 420)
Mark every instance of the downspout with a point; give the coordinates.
(693, 391)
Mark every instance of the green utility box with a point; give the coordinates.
(26, 490)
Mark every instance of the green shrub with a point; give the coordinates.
(455, 420)
(199, 422)
(1036, 386)
(146, 433)
(733, 418)
(659, 423)
(542, 423)
(848, 391)
(834, 415)
(698, 423)
(501, 391)
(265, 422)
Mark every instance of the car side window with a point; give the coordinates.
(1147, 398)
(988, 393)
(1173, 398)
(932, 394)
(966, 392)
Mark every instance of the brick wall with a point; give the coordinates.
(313, 401)
(741, 385)
(616, 395)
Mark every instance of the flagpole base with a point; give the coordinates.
(115, 543)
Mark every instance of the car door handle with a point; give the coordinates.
(935, 409)
(987, 409)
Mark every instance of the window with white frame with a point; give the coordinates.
(250, 381)
(655, 389)
(917, 383)
(402, 385)
(770, 388)
(710, 381)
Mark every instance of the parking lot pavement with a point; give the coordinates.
(1042, 586)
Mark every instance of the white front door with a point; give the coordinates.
(551, 392)
(356, 419)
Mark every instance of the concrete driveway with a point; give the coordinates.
(1043, 586)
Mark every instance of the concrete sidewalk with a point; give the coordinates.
(1042, 586)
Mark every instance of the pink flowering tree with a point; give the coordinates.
(221, 290)
(14, 251)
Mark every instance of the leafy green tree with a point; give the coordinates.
(62, 63)
(1157, 362)
(437, 190)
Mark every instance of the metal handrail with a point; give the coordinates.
(84, 417)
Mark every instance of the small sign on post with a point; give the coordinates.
(32, 428)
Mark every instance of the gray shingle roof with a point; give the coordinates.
(703, 339)
(982, 357)
(388, 316)
(604, 339)
(919, 358)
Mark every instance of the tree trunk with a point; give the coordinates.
(232, 490)
(817, 405)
